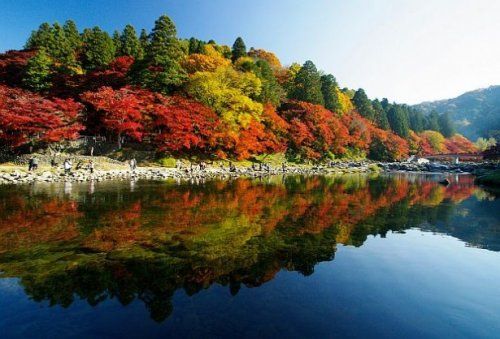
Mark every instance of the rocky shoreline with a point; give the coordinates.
(194, 173)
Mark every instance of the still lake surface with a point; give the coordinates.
(351, 256)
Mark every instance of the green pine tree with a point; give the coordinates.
(239, 49)
(38, 72)
(271, 91)
(363, 104)
(398, 121)
(307, 85)
(98, 48)
(130, 44)
(329, 88)
(72, 35)
(164, 53)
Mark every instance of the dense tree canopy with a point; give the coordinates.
(192, 97)
(307, 85)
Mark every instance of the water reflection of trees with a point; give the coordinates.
(146, 243)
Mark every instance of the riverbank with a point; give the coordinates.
(14, 174)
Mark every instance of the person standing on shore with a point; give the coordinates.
(30, 164)
(67, 166)
(91, 167)
(133, 165)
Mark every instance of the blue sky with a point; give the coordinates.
(408, 51)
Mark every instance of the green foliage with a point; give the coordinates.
(363, 104)
(433, 121)
(160, 70)
(380, 115)
(117, 42)
(72, 35)
(483, 144)
(475, 113)
(417, 121)
(167, 162)
(329, 90)
(271, 91)
(57, 44)
(399, 121)
(239, 49)
(98, 48)
(144, 39)
(196, 46)
(307, 85)
(130, 44)
(38, 72)
(446, 126)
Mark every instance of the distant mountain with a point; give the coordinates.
(476, 113)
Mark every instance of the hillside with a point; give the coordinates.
(476, 113)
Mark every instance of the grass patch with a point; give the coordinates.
(167, 162)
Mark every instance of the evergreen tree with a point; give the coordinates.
(329, 90)
(98, 48)
(117, 41)
(144, 40)
(380, 115)
(72, 35)
(239, 49)
(385, 104)
(433, 121)
(417, 120)
(398, 121)
(160, 69)
(307, 85)
(195, 46)
(130, 44)
(43, 37)
(62, 49)
(446, 126)
(363, 104)
(38, 72)
(271, 91)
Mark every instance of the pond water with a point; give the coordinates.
(351, 256)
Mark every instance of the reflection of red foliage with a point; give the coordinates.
(22, 226)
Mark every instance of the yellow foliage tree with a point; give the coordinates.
(209, 61)
(345, 102)
(229, 93)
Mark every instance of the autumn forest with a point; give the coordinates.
(196, 98)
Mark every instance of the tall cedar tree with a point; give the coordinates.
(307, 85)
(72, 35)
(398, 121)
(160, 70)
(363, 104)
(330, 95)
(433, 121)
(130, 44)
(38, 72)
(239, 49)
(98, 48)
(380, 115)
(271, 90)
